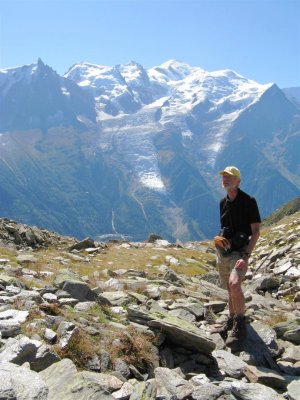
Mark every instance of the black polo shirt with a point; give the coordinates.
(239, 214)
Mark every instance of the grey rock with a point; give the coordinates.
(282, 267)
(117, 298)
(211, 290)
(291, 353)
(66, 275)
(50, 336)
(172, 383)
(250, 391)
(293, 389)
(11, 320)
(195, 308)
(260, 343)
(43, 359)
(144, 391)
(67, 301)
(199, 380)
(11, 280)
(79, 291)
(25, 295)
(138, 314)
(265, 282)
(125, 392)
(83, 244)
(26, 259)
(67, 331)
(50, 297)
(233, 366)
(105, 361)
(23, 349)
(65, 382)
(170, 275)
(215, 306)
(207, 391)
(182, 332)
(20, 383)
(122, 368)
(265, 376)
(289, 330)
(183, 314)
(289, 368)
(85, 306)
(293, 273)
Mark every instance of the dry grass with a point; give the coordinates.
(135, 348)
(275, 319)
(113, 258)
(80, 349)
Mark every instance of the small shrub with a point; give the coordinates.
(135, 348)
(51, 309)
(80, 349)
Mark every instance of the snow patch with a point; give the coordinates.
(152, 180)
(65, 91)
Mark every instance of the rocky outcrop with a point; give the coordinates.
(22, 235)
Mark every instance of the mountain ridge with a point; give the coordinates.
(127, 151)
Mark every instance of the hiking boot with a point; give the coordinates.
(238, 333)
(225, 328)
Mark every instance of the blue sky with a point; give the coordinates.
(259, 39)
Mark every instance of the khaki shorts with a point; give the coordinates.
(226, 265)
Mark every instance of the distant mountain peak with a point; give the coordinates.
(40, 62)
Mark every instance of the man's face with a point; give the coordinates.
(230, 182)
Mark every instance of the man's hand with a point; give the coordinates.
(241, 264)
(222, 242)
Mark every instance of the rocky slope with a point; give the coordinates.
(134, 320)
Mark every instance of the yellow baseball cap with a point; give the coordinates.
(231, 170)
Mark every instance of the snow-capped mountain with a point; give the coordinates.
(129, 151)
(34, 96)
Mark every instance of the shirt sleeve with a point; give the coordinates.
(254, 215)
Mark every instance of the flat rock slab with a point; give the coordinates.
(183, 333)
(66, 383)
(251, 391)
(264, 376)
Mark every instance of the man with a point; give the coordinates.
(240, 220)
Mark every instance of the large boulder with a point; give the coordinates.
(20, 383)
(65, 382)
